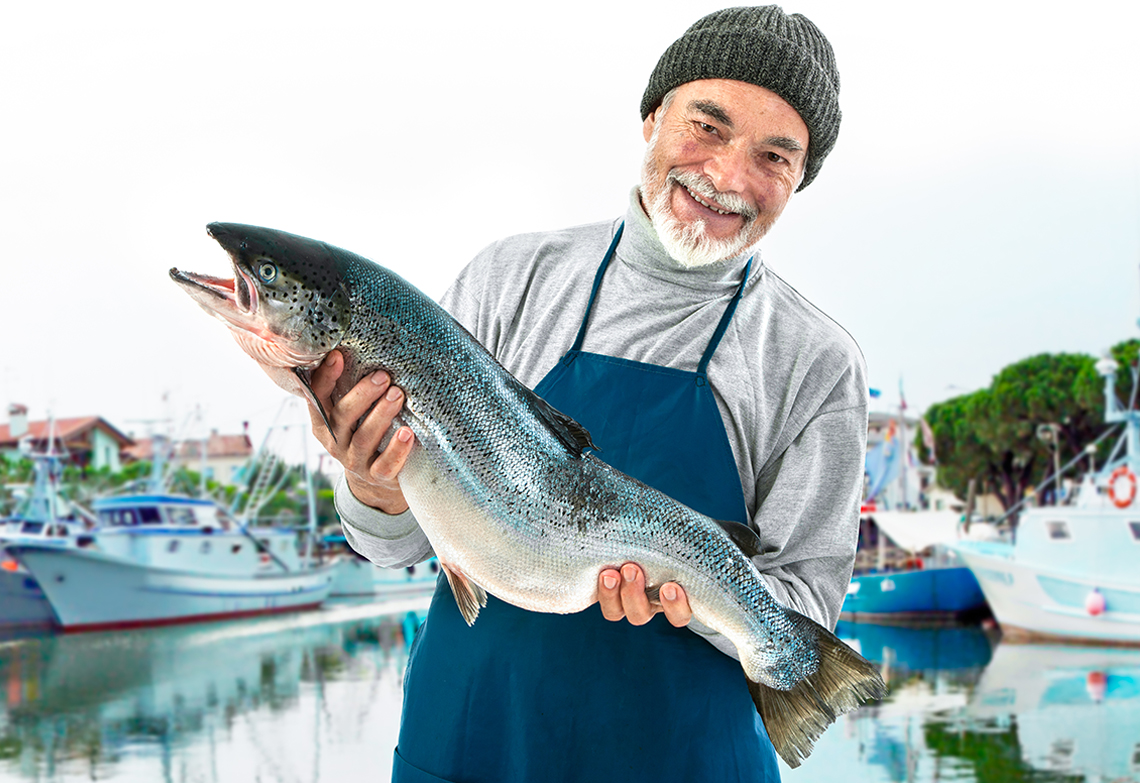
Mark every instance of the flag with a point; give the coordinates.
(883, 462)
(928, 438)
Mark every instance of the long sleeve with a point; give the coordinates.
(392, 541)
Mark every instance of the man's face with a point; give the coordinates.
(724, 157)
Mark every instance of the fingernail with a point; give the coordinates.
(669, 592)
(393, 394)
(609, 582)
(379, 377)
(629, 573)
(404, 435)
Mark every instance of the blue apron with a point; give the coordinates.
(525, 697)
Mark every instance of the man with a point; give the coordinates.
(696, 370)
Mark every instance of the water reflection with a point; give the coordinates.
(964, 706)
(227, 701)
(1076, 710)
(317, 697)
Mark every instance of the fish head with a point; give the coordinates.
(286, 305)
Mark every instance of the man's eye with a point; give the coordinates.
(706, 127)
(772, 156)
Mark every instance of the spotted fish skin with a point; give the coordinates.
(507, 489)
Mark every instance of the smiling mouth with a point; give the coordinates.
(706, 204)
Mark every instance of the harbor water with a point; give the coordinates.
(316, 697)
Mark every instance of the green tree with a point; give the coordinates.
(992, 434)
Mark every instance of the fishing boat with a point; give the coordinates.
(1071, 571)
(22, 602)
(358, 577)
(906, 573)
(158, 559)
(44, 519)
(164, 559)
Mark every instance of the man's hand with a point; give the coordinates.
(371, 475)
(622, 594)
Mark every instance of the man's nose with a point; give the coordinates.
(728, 169)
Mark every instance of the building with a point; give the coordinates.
(225, 455)
(90, 441)
(895, 483)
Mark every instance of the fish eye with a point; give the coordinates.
(267, 272)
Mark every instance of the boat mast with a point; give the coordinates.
(1114, 413)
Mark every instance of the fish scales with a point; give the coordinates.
(507, 490)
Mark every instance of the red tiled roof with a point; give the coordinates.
(217, 446)
(65, 430)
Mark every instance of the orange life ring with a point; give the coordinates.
(1124, 501)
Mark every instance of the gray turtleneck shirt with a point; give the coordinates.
(790, 384)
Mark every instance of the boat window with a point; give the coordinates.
(235, 548)
(173, 546)
(1058, 531)
(33, 528)
(1135, 528)
(180, 516)
(205, 547)
(149, 515)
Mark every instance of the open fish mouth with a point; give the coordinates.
(235, 293)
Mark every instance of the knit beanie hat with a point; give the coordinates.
(763, 46)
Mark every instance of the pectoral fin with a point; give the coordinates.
(744, 537)
(303, 376)
(470, 596)
(573, 435)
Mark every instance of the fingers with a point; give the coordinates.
(360, 422)
(621, 594)
(360, 429)
(324, 377)
(609, 594)
(633, 597)
(371, 390)
(675, 604)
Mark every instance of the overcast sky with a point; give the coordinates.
(981, 205)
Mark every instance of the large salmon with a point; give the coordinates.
(506, 488)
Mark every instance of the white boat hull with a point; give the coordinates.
(91, 590)
(359, 578)
(1031, 602)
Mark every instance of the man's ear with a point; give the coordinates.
(647, 126)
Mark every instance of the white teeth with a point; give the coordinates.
(702, 202)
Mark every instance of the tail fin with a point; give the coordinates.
(795, 718)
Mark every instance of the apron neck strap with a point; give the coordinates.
(594, 291)
(722, 327)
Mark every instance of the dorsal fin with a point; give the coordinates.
(743, 536)
(573, 435)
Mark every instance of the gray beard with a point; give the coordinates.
(688, 243)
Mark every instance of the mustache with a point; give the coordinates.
(704, 188)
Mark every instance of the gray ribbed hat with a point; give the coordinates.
(763, 46)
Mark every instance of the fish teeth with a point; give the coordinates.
(701, 201)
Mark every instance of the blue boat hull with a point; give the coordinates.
(922, 593)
